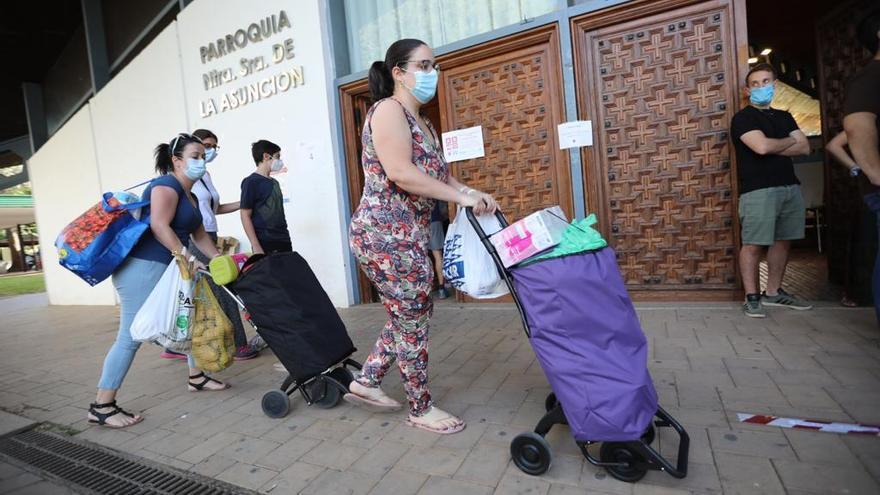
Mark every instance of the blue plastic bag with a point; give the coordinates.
(98, 241)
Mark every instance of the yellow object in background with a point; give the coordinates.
(223, 269)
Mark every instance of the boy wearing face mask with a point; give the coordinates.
(771, 207)
(262, 206)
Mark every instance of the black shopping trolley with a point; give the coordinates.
(287, 306)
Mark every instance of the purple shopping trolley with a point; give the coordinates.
(586, 335)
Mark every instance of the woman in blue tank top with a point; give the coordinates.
(174, 220)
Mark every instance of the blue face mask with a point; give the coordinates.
(195, 169)
(761, 96)
(210, 154)
(426, 85)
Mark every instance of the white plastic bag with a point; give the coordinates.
(166, 316)
(467, 265)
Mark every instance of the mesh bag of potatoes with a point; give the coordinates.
(213, 344)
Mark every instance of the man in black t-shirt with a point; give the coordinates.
(771, 207)
(861, 121)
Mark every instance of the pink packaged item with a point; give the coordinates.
(240, 258)
(533, 234)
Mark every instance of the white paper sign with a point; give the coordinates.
(463, 144)
(575, 134)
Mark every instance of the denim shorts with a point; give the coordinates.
(772, 214)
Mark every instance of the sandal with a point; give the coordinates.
(440, 431)
(199, 387)
(370, 403)
(102, 417)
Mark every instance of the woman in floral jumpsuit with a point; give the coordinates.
(404, 172)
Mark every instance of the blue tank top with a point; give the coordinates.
(187, 219)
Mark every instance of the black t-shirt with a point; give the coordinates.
(263, 195)
(762, 171)
(863, 95)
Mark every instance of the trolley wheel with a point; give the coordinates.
(342, 375)
(620, 452)
(650, 434)
(275, 404)
(321, 387)
(550, 402)
(531, 453)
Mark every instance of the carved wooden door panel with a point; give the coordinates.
(513, 89)
(840, 56)
(661, 93)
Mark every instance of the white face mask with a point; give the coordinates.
(276, 165)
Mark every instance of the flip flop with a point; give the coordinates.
(370, 404)
(440, 431)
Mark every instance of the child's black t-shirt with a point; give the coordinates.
(263, 195)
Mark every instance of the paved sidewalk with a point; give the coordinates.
(707, 360)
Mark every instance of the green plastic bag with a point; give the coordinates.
(580, 236)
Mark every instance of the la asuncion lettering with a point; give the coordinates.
(258, 90)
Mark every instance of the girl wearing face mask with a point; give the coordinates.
(405, 173)
(209, 206)
(174, 220)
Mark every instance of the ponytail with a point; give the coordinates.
(162, 155)
(381, 82)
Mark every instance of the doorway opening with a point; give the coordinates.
(820, 265)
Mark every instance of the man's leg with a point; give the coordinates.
(749, 257)
(757, 217)
(777, 260)
(790, 221)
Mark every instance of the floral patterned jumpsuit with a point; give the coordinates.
(389, 238)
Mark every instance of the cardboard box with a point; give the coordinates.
(533, 234)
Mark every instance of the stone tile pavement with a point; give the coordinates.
(707, 360)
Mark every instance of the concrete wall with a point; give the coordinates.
(139, 108)
(108, 144)
(298, 120)
(65, 180)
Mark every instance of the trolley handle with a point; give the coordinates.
(233, 295)
(505, 274)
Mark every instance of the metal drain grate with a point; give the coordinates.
(104, 471)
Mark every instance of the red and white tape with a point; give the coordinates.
(810, 424)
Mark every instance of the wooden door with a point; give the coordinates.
(840, 56)
(513, 88)
(661, 90)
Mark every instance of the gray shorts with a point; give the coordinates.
(436, 236)
(772, 214)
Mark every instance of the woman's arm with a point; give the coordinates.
(163, 204)
(228, 208)
(393, 142)
(835, 147)
(204, 242)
